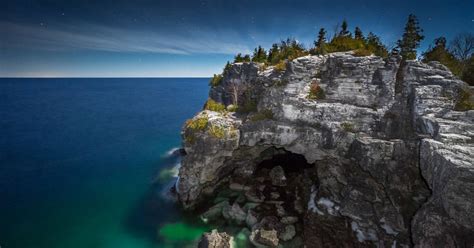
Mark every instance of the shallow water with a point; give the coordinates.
(85, 162)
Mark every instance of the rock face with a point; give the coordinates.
(390, 163)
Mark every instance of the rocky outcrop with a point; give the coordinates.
(384, 159)
(215, 239)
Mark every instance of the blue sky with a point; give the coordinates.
(141, 38)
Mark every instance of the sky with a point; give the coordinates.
(193, 38)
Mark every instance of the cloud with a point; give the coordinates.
(88, 36)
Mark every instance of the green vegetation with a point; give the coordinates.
(411, 38)
(464, 102)
(265, 114)
(198, 124)
(217, 131)
(348, 127)
(458, 57)
(181, 232)
(216, 80)
(232, 108)
(316, 92)
(281, 66)
(214, 106)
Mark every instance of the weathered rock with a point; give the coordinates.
(216, 239)
(264, 238)
(234, 213)
(288, 234)
(277, 175)
(251, 219)
(215, 211)
(393, 159)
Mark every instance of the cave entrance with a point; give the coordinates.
(290, 162)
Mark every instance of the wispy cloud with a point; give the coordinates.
(112, 39)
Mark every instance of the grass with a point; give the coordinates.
(281, 66)
(217, 131)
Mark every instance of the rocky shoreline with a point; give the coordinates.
(382, 158)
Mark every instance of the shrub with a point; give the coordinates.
(217, 131)
(232, 108)
(348, 127)
(281, 66)
(265, 114)
(316, 92)
(198, 124)
(464, 102)
(361, 52)
(214, 106)
(216, 80)
(248, 106)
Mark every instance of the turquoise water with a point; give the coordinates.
(80, 161)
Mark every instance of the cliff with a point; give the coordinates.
(336, 151)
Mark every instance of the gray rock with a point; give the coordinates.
(234, 214)
(392, 157)
(264, 238)
(216, 239)
(277, 175)
(288, 234)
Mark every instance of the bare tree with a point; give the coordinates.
(462, 46)
(236, 89)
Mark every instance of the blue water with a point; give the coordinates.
(79, 160)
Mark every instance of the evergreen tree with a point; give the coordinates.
(274, 54)
(246, 58)
(441, 54)
(238, 58)
(374, 44)
(411, 38)
(320, 43)
(344, 30)
(259, 55)
(468, 75)
(358, 34)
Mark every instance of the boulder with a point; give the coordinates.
(216, 239)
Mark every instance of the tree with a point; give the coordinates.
(358, 34)
(462, 46)
(376, 46)
(274, 54)
(440, 53)
(344, 31)
(246, 58)
(320, 43)
(468, 74)
(411, 38)
(259, 55)
(238, 58)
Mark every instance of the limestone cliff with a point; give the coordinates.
(380, 158)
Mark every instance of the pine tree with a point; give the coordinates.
(320, 43)
(358, 35)
(411, 38)
(238, 58)
(344, 32)
(274, 54)
(374, 44)
(259, 55)
(441, 54)
(246, 58)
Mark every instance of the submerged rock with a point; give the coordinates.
(388, 160)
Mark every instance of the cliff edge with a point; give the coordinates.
(335, 151)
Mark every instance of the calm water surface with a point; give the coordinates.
(78, 158)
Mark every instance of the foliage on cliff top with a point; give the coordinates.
(198, 124)
(216, 80)
(214, 106)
